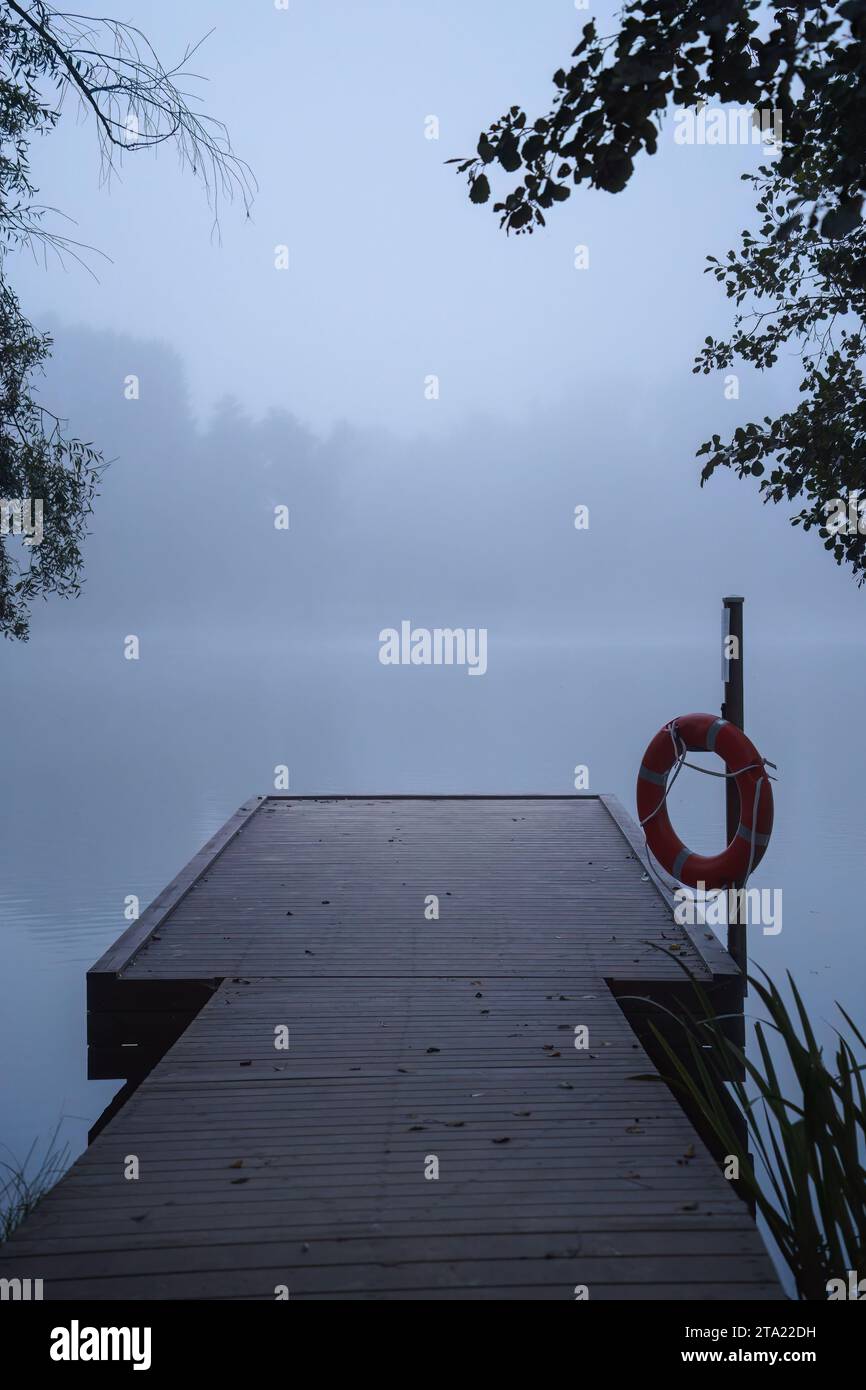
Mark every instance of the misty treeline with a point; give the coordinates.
(469, 524)
(446, 528)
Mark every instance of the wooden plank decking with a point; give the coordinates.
(409, 1040)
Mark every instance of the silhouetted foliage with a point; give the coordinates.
(37, 461)
(136, 104)
(802, 277)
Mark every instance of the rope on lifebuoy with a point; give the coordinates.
(705, 729)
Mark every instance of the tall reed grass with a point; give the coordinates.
(808, 1179)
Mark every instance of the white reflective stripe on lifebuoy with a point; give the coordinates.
(660, 778)
(713, 733)
(748, 835)
(680, 861)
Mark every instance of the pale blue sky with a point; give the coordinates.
(393, 275)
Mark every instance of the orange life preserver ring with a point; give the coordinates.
(706, 733)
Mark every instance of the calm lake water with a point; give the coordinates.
(115, 772)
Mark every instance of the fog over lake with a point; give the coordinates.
(259, 646)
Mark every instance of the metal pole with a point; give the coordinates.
(732, 710)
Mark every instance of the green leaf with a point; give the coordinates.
(479, 190)
(485, 149)
(842, 220)
(508, 152)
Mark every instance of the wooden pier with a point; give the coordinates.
(417, 1044)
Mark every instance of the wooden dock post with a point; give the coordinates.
(732, 710)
